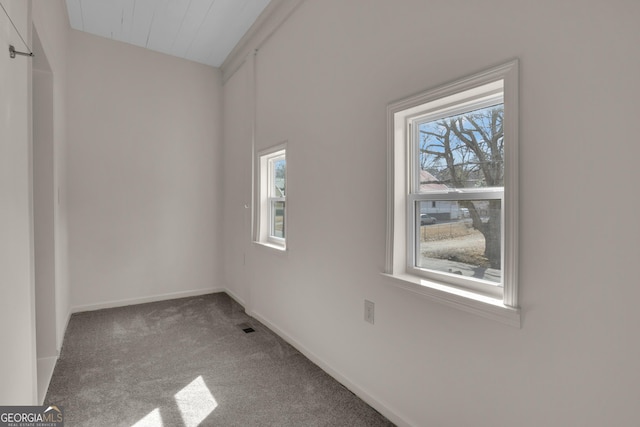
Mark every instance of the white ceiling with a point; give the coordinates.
(204, 31)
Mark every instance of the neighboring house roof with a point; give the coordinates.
(429, 182)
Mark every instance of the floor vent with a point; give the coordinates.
(246, 328)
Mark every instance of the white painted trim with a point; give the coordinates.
(235, 297)
(143, 300)
(468, 301)
(365, 395)
(362, 393)
(274, 15)
(254, 157)
(281, 248)
(512, 186)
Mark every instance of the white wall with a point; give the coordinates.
(144, 174)
(44, 202)
(17, 308)
(324, 80)
(238, 119)
(52, 26)
(50, 33)
(20, 162)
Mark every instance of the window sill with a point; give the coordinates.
(470, 302)
(281, 248)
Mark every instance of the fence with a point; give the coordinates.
(445, 231)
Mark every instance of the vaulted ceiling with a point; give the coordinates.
(204, 31)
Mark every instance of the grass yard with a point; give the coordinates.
(455, 241)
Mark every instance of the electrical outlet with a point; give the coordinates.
(369, 311)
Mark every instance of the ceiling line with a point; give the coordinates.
(203, 31)
(200, 26)
(212, 53)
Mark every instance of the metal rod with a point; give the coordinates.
(17, 31)
(13, 52)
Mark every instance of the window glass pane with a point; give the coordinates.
(279, 177)
(460, 237)
(462, 151)
(277, 219)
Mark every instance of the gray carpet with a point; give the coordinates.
(187, 362)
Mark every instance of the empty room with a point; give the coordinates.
(320, 212)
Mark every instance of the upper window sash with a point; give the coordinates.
(274, 189)
(474, 102)
(494, 96)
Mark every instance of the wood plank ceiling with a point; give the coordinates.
(204, 31)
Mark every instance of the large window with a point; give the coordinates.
(272, 174)
(453, 193)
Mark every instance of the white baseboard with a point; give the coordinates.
(142, 300)
(235, 297)
(45, 372)
(47, 365)
(356, 389)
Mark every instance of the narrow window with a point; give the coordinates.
(271, 213)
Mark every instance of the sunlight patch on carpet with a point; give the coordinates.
(152, 419)
(195, 402)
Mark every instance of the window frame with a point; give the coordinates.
(490, 98)
(463, 95)
(266, 200)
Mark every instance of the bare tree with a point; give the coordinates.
(464, 151)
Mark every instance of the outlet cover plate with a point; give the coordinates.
(369, 311)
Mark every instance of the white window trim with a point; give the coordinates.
(263, 198)
(503, 308)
